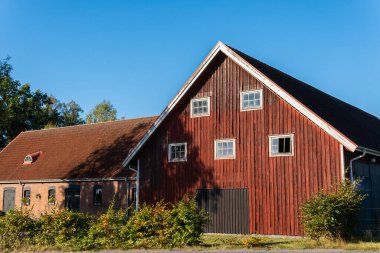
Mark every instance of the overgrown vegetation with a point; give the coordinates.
(153, 226)
(233, 242)
(333, 214)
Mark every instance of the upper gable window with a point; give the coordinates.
(281, 145)
(251, 100)
(177, 152)
(200, 107)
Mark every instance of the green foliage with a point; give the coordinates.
(63, 229)
(102, 112)
(22, 109)
(106, 232)
(17, 230)
(186, 222)
(253, 242)
(154, 226)
(332, 214)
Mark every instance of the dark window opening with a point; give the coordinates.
(98, 194)
(72, 198)
(26, 198)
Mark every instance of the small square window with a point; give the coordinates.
(200, 107)
(281, 145)
(177, 152)
(224, 149)
(251, 100)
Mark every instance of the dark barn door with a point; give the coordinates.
(72, 198)
(9, 199)
(227, 210)
(369, 173)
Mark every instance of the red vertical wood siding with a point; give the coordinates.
(277, 185)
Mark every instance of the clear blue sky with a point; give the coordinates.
(138, 54)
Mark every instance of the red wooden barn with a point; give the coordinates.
(254, 143)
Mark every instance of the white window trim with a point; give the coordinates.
(200, 115)
(281, 136)
(249, 92)
(225, 157)
(177, 144)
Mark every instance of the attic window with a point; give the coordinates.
(31, 158)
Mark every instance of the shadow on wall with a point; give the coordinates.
(81, 196)
(104, 162)
(170, 181)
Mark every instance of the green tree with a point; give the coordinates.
(104, 111)
(22, 109)
(71, 114)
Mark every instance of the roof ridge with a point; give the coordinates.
(303, 83)
(86, 124)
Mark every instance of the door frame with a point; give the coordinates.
(11, 189)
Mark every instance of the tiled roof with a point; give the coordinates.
(83, 151)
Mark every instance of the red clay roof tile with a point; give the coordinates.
(83, 151)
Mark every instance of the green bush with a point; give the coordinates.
(332, 214)
(63, 229)
(154, 226)
(186, 223)
(106, 232)
(17, 230)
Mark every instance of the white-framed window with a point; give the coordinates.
(281, 145)
(225, 149)
(200, 107)
(177, 152)
(251, 100)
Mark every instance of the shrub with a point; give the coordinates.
(252, 242)
(106, 231)
(149, 227)
(153, 226)
(186, 223)
(17, 230)
(64, 229)
(333, 214)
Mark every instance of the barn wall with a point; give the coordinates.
(276, 185)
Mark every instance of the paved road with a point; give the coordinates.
(233, 251)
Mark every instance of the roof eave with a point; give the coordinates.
(369, 151)
(221, 47)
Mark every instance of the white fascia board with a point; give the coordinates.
(258, 75)
(175, 100)
(291, 100)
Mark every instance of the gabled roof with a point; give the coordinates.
(76, 152)
(352, 127)
(358, 125)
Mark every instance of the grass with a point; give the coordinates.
(229, 242)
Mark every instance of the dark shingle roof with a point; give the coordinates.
(83, 151)
(358, 125)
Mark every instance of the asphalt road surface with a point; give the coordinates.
(232, 251)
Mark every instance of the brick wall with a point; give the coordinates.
(39, 195)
